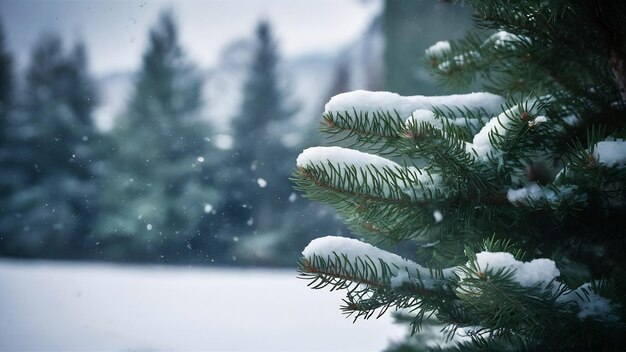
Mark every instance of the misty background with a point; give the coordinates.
(165, 132)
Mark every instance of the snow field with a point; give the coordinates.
(49, 306)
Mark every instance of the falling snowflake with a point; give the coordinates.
(292, 197)
(438, 216)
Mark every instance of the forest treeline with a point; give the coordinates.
(155, 188)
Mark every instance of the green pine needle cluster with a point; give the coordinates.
(571, 56)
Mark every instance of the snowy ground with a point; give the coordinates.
(47, 306)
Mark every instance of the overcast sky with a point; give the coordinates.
(115, 31)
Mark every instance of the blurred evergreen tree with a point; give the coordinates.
(6, 82)
(51, 155)
(159, 178)
(6, 100)
(258, 175)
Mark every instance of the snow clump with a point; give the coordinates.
(438, 49)
(591, 305)
(376, 102)
(534, 193)
(420, 182)
(527, 274)
(401, 270)
(610, 153)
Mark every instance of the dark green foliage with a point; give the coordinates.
(6, 82)
(51, 158)
(580, 69)
(409, 27)
(560, 59)
(6, 102)
(156, 185)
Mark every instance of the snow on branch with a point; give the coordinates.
(397, 269)
(542, 272)
(505, 40)
(376, 102)
(533, 193)
(610, 152)
(424, 116)
(527, 274)
(499, 126)
(591, 305)
(439, 48)
(421, 109)
(339, 155)
(379, 175)
(499, 41)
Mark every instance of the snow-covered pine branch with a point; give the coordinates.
(372, 102)
(498, 163)
(375, 278)
(359, 173)
(365, 264)
(610, 152)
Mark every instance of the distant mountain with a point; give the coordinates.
(306, 79)
(385, 57)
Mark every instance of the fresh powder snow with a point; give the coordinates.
(610, 153)
(527, 274)
(534, 193)
(340, 158)
(481, 146)
(402, 270)
(591, 305)
(56, 306)
(537, 120)
(459, 60)
(422, 115)
(504, 39)
(418, 109)
(374, 102)
(438, 49)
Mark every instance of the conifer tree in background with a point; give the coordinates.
(51, 155)
(158, 184)
(6, 83)
(515, 200)
(258, 174)
(6, 102)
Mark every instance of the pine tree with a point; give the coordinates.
(6, 83)
(51, 155)
(262, 160)
(514, 198)
(6, 102)
(159, 178)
